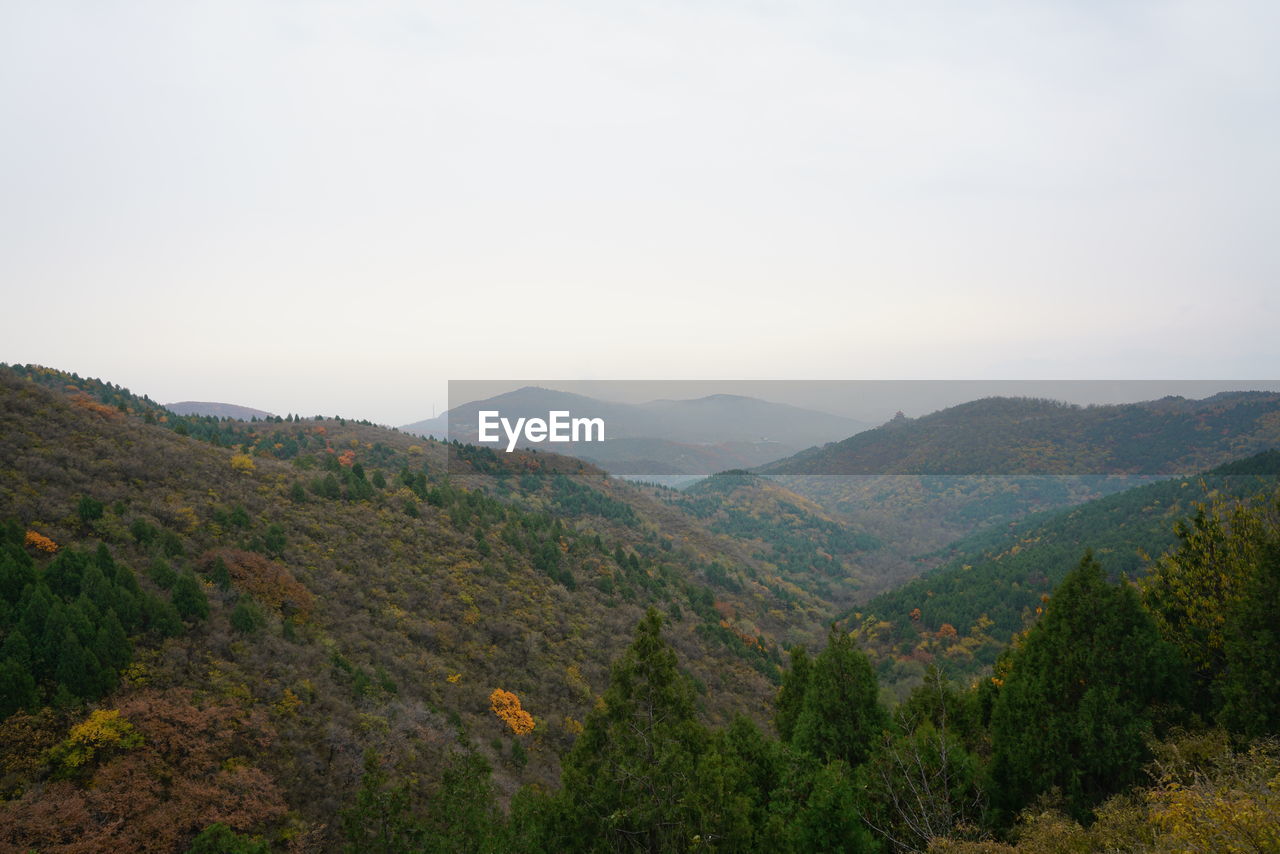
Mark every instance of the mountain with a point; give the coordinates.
(921, 484)
(217, 410)
(698, 436)
(296, 592)
(1024, 436)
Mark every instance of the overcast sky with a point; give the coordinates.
(337, 206)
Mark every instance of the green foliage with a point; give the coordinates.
(220, 839)
(89, 509)
(189, 598)
(247, 617)
(925, 779)
(841, 717)
(162, 573)
(397, 817)
(1215, 597)
(65, 626)
(1091, 682)
(791, 695)
(630, 774)
(1248, 692)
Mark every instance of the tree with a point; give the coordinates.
(791, 694)
(189, 598)
(627, 780)
(220, 839)
(381, 819)
(1090, 683)
(1215, 597)
(921, 783)
(1189, 589)
(1248, 692)
(841, 717)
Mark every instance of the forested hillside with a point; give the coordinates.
(993, 583)
(316, 634)
(326, 580)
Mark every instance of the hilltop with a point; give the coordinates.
(217, 410)
(1025, 436)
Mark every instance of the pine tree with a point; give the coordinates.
(627, 780)
(841, 717)
(791, 694)
(1248, 691)
(189, 598)
(1088, 686)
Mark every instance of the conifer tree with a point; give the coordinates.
(1091, 681)
(628, 778)
(841, 717)
(791, 694)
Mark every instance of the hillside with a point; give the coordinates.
(797, 538)
(991, 584)
(357, 598)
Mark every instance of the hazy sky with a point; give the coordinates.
(337, 206)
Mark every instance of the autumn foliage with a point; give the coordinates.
(40, 542)
(272, 583)
(507, 707)
(176, 767)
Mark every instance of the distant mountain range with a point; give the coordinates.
(699, 436)
(217, 410)
(1024, 436)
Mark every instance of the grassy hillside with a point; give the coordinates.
(357, 598)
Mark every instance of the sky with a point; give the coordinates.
(337, 207)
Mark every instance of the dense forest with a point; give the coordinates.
(316, 634)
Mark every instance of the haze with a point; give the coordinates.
(336, 207)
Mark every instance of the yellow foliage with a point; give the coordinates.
(40, 542)
(507, 707)
(242, 463)
(103, 730)
(1236, 807)
(288, 704)
(453, 678)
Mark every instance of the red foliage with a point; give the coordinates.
(193, 768)
(267, 580)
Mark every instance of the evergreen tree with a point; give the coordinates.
(841, 717)
(189, 598)
(1248, 691)
(791, 695)
(1085, 690)
(628, 778)
(381, 819)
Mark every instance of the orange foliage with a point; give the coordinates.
(507, 707)
(41, 542)
(347, 458)
(83, 401)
